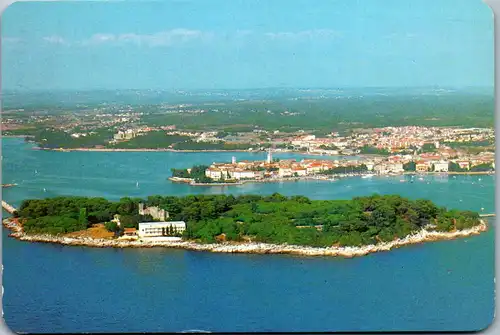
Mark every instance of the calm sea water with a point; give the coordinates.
(446, 285)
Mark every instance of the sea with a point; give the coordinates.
(436, 286)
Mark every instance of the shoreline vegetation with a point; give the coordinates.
(298, 152)
(419, 237)
(272, 224)
(148, 150)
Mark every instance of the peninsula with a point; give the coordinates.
(247, 223)
(277, 170)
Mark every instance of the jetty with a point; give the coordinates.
(488, 215)
(8, 185)
(9, 208)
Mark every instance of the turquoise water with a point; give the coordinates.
(445, 285)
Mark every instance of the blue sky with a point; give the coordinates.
(210, 44)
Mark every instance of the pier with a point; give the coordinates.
(9, 208)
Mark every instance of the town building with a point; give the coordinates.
(156, 212)
(441, 166)
(154, 229)
(130, 232)
(125, 135)
(299, 171)
(421, 166)
(395, 167)
(369, 165)
(285, 172)
(213, 173)
(242, 174)
(380, 169)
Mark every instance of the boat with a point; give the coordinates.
(8, 185)
(366, 176)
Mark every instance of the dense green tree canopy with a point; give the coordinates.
(274, 218)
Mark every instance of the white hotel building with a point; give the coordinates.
(154, 229)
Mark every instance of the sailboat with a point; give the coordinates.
(137, 184)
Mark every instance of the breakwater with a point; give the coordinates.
(9, 208)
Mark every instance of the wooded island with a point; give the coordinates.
(273, 219)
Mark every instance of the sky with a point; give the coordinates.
(239, 44)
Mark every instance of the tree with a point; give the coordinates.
(129, 221)
(454, 167)
(410, 166)
(426, 209)
(82, 218)
(127, 206)
(369, 150)
(112, 226)
(180, 173)
(482, 167)
(428, 147)
(254, 207)
(274, 219)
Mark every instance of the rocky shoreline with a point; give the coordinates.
(191, 182)
(330, 178)
(139, 150)
(256, 248)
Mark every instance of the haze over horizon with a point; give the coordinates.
(207, 45)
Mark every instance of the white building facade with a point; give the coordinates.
(441, 166)
(155, 229)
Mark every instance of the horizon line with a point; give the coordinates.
(436, 87)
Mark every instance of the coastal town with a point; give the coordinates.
(448, 141)
(395, 151)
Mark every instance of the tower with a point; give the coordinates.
(269, 156)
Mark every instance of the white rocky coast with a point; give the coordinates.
(257, 248)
